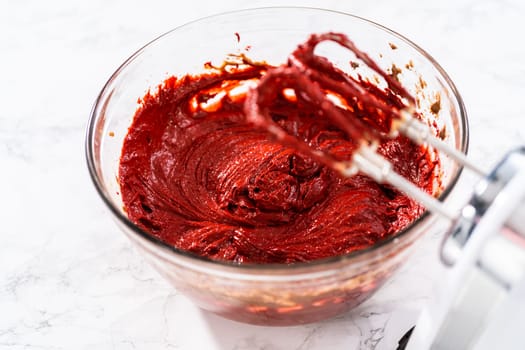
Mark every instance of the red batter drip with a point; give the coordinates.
(199, 170)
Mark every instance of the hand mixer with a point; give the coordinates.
(485, 247)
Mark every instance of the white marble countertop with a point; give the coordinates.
(70, 280)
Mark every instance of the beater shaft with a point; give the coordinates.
(380, 170)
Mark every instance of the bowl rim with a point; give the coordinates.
(272, 268)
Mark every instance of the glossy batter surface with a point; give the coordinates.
(196, 173)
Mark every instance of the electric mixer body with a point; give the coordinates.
(484, 250)
(480, 303)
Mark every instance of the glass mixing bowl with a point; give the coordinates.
(271, 294)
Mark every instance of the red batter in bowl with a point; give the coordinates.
(195, 173)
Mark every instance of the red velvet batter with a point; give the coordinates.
(199, 174)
